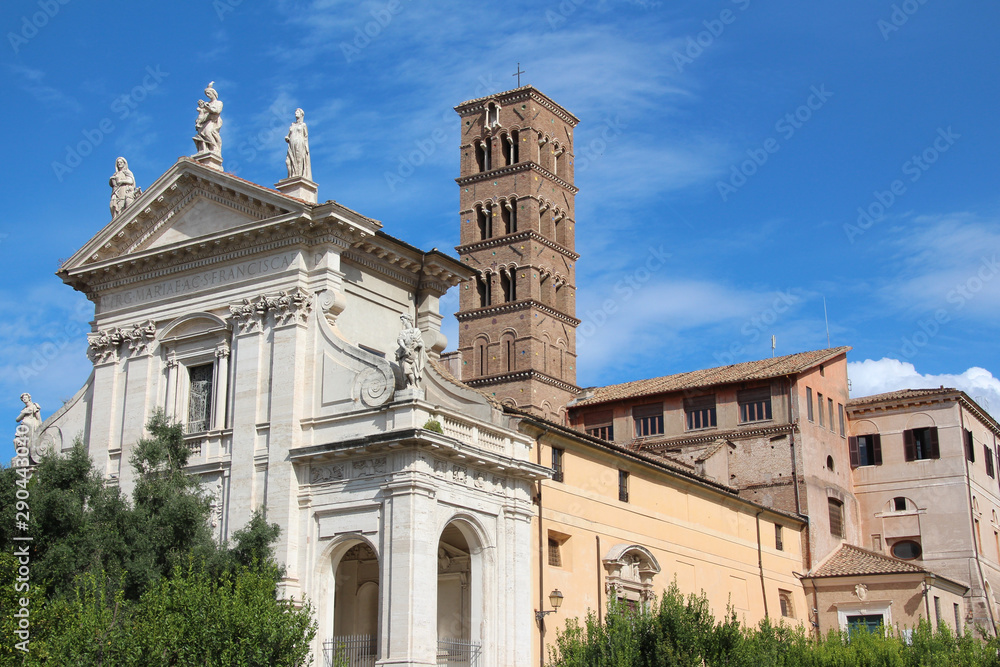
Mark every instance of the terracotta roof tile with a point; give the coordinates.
(751, 370)
(901, 395)
(850, 560)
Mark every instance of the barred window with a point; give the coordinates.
(699, 412)
(600, 424)
(557, 464)
(755, 404)
(836, 517)
(648, 419)
(555, 558)
(199, 417)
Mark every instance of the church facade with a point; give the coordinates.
(435, 506)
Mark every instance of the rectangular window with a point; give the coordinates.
(779, 543)
(648, 419)
(866, 450)
(555, 558)
(843, 422)
(920, 444)
(958, 619)
(557, 464)
(836, 517)
(819, 407)
(755, 404)
(699, 412)
(600, 424)
(809, 403)
(199, 416)
(988, 457)
(829, 403)
(970, 447)
(623, 486)
(937, 610)
(877, 543)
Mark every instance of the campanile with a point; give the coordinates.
(517, 317)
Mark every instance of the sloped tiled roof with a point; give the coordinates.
(751, 370)
(901, 395)
(850, 560)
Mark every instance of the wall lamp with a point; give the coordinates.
(556, 600)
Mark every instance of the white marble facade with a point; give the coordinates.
(269, 326)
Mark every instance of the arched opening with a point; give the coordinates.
(354, 635)
(508, 285)
(510, 147)
(459, 596)
(483, 287)
(483, 159)
(484, 221)
(508, 216)
(481, 366)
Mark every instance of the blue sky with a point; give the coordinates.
(738, 139)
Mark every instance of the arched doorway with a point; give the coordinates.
(354, 639)
(459, 596)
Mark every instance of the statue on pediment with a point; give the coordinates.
(297, 161)
(409, 354)
(123, 189)
(209, 123)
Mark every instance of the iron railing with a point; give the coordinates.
(350, 651)
(458, 653)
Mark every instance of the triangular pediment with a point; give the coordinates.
(190, 201)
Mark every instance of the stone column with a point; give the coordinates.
(219, 420)
(409, 573)
(100, 440)
(288, 401)
(170, 408)
(140, 391)
(248, 363)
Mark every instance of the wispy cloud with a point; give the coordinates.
(52, 100)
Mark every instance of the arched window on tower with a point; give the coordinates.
(511, 148)
(545, 289)
(483, 286)
(560, 294)
(480, 360)
(507, 344)
(484, 159)
(484, 220)
(508, 216)
(542, 141)
(508, 285)
(559, 227)
(492, 115)
(543, 206)
(557, 153)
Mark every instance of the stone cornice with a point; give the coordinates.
(526, 235)
(659, 443)
(518, 95)
(518, 376)
(513, 306)
(514, 169)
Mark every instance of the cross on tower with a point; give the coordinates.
(518, 74)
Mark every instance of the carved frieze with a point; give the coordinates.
(251, 315)
(335, 472)
(107, 344)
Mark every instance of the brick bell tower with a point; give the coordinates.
(516, 319)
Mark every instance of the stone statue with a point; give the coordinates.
(31, 416)
(298, 161)
(409, 354)
(208, 123)
(123, 190)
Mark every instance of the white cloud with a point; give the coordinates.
(875, 377)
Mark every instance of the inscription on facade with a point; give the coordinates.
(199, 281)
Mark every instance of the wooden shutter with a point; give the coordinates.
(970, 449)
(853, 444)
(877, 448)
(935, 448)
(909, 447)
